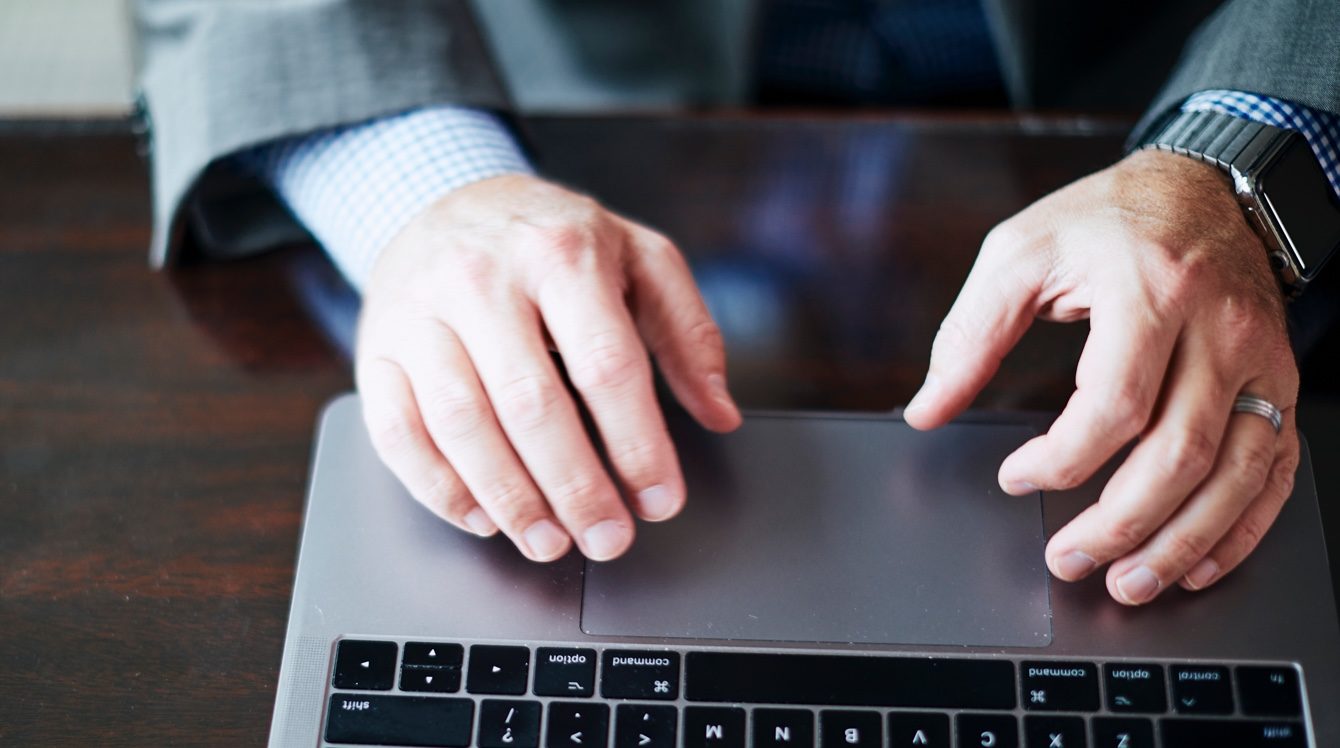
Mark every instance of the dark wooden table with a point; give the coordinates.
(155, 427)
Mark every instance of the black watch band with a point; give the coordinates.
(1277, 179)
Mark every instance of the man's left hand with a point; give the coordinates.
(1184, 315)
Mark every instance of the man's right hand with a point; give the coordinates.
(463, 400)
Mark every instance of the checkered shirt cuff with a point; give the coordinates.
(1320, 128)
(355, 187)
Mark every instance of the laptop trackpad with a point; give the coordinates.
(836, 529)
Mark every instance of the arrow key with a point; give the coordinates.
(431, 679)
(575, 724)
(365, 665)
(639, 726)
(501, 670)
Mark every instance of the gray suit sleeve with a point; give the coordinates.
(217, 76)
(1288, 49)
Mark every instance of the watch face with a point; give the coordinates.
(1303, 205)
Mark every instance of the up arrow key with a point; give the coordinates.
(920, 738)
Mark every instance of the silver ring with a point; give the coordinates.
(1263, 408)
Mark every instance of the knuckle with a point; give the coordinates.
(1127, 410)
(705, 335)
(1190, 453)
(445, 497)
(390, 432)
(635, 458)
(1184, 548)
(607, 364)
(510, 500)
(564, 246)
(1005, 236)
(580, 492)
(1246, 535)
(455, 410)
(1123, 533)
(476, 273)
(529, 401)
(1253, 464)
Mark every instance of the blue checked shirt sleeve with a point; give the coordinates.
(356, 187)
(1320, 128)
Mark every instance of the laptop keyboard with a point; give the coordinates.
(506, 696)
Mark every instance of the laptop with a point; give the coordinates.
(835, 581)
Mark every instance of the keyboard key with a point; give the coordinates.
(844, 680)
(500, 670)
(844, 729)
(509, 724)
(783, 728)
(432, 679)
(365, 665)
(434, 654)
(641, 726)
(713, 727)
(1204, 733)
(399, 720)
(633, 674)
(1122, 733)
(1269, 691)
(1054, 732)
(565, 672)
(987, 731)
(1059, 686)
(918, 730)
(1201, 689)
(1135, 688)
(579, 724)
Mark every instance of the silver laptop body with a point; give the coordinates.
(811, 537)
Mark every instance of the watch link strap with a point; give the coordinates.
(1233, 144)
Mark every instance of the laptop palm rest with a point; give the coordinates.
(838, 529)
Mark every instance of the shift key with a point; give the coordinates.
(399, 720)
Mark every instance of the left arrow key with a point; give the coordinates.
(365, 665)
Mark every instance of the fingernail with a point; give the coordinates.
(545, 540)
(924, 395)
(1138, 586)
(1074, 565)
(479, 523)
(605, 540)
(1017, 487)
(1202, 574)
(656, 502)
(717, 384)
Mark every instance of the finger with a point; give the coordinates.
(1247, 532)
(403, 444)
(1117, 382)
(542, 424)
(607, 364)
(460, 421)
(995, 306)
(1174, 455)
(680, 332)
(1238, 477)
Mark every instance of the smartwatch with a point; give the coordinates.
(1278, 181)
